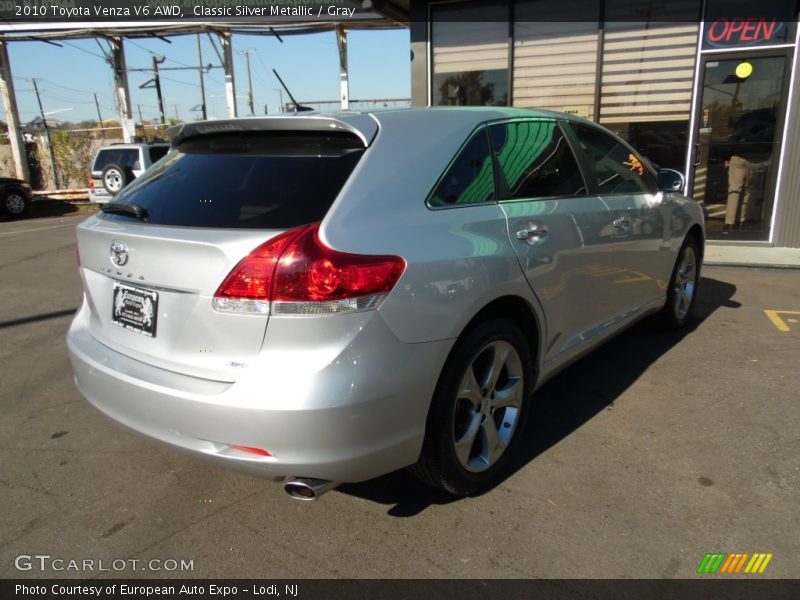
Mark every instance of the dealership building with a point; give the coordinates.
(708, 87)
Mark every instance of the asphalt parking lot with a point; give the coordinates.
(651, 452)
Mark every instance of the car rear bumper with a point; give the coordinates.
(356, 417)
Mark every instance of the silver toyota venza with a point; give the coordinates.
(327, 298)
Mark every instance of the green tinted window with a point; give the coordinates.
(535, 160)
(616, 169)
(470, 179)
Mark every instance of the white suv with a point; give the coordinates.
(115, 166)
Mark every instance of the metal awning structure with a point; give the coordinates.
(371, 15)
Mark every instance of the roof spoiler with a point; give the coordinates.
(361, 125)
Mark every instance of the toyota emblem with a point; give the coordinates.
(119, 253)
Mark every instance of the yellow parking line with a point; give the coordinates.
(779, 323)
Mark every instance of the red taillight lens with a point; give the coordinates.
(310, 271)
(251, 279)
(296, 267)
(91, 184)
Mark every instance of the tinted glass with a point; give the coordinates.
(470, 179)
(158, 152)
(535, 160)
(616, 169)
(125, 157)
(260, 181)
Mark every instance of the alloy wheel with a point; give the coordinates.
(488, 406)
(15, 204)
(685, 283)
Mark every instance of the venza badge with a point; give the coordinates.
(119, 253)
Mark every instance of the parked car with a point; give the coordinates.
(16, 195)
(324, 299)
(115, 166)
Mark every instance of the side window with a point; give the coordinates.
(105, 158)
(129, 157)
(158, 152)
(470, 178)
(616, 169)
(535, 160)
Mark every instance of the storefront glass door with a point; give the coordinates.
(737, 143)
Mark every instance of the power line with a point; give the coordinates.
(50, 94)
(72, 89)
(103, 58)
(140, 46)
(179, 81)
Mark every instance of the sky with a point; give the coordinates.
(379, 67)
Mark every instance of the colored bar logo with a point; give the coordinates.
(734, 564)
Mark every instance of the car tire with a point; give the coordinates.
(115, 177)
(478, 411)
(683, 283)
(15, 203)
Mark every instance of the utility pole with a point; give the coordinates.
(141, 120)
(202, 82)
(121, 88)
(47, 136)
(177, 118)
(99, 116)
(246, 54)
(157, 80)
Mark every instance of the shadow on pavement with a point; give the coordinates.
(45, 207)
(565, 402)
(36, 318)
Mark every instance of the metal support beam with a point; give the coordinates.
(227, 64)
(341, 42)
(121, 91)
(12, 116)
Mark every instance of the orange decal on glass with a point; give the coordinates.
(634, 164)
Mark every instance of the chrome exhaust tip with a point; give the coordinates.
(308, 488)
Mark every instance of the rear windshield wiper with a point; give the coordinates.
(130, 209)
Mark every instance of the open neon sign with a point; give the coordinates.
(744, 31)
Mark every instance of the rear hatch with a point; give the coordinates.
(151, 267)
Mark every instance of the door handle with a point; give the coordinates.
(533, 234)
(697, 155)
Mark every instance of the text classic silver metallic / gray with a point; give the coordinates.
(327, 298)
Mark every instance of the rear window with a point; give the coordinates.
(263, 180)
(124, 157)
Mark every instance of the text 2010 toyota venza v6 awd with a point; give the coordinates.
(326, 299)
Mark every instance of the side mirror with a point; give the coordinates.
(670, 180)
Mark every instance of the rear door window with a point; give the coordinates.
(259, 180)
(535, 161)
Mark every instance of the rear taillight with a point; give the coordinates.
(91, 184)
(298, 274)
